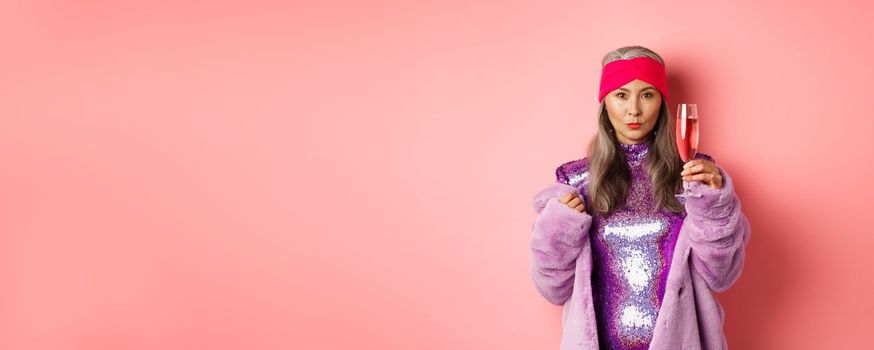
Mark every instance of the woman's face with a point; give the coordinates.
(633, 110)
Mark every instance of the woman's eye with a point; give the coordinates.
(647, 94)
(621, 94)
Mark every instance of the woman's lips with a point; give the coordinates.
(634, 125)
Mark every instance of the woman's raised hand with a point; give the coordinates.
(704, 171)
(572, 200)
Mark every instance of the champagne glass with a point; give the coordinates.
(686, 130)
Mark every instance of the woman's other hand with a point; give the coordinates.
(573, 201)
(704, 171)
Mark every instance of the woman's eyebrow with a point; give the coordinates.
(646, 88)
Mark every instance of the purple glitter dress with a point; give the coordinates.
(631, 251)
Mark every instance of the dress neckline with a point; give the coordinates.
(636, 147)
(636, 152)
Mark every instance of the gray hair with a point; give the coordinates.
(629, 52)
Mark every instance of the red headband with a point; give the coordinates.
(620, 72)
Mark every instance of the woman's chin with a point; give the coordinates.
(635, 136)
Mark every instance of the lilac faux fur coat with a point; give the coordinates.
(708, 257)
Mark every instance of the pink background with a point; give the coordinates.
(333, 175)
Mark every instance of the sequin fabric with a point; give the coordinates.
(631, 251)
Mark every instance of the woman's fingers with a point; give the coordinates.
(577, 204)
(693, 168)
(699, 167)
(714, 181)
(706, 177)
(572, 200)
(566, 198)
(704, 171)
(694, 177)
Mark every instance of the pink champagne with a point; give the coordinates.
(687, 137)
